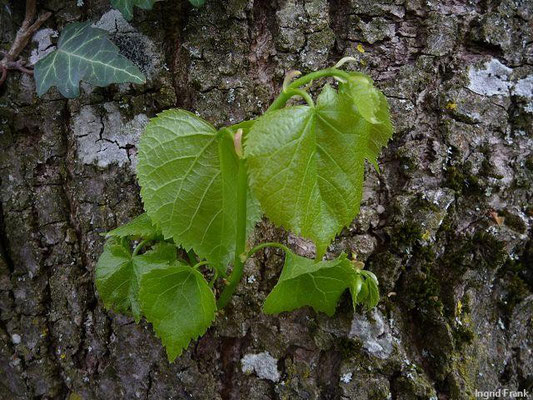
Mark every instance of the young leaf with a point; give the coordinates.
(126, 6)
(306, 165)
(355, 288)
(188, 176)
(83, 53)
(304, 282)
(138, 227)
(364, 95)
(365, 289)
(180, 305)
(118, 273)
(376, 129)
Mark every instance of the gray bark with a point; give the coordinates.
(445, 226)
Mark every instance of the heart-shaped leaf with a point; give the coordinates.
(118, 273)
(188, 176)
(306, 164)
(304, 282)
(180, 305)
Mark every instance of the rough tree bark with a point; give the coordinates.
(445, 226)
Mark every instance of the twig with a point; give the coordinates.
(24, 35)
(4, 74)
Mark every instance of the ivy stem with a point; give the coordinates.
(240, 242)
(287, 94)
(139, 247)
(267, 244)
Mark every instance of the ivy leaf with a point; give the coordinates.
(304, 282)
(83, 53)
(118, 273)
(126, 6)
(188, 176)
(197, 3)
(306, 165)
(180, 305)
(138, 227)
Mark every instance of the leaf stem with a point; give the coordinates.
(303, 94)
(198, 265)
(286, 94)
(240, 241)
(191, 255)
(242, 181)
(267, 244)
(213, 279)
(140, 246)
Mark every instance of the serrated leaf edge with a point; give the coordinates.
(297, 230)
(189, 340)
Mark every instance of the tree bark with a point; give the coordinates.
(445, 226)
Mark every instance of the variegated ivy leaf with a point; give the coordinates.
(118, 273)
(180, 305)
(126, 6)
(306, 164)
(83, 53)
(188, 176)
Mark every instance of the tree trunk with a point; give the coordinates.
(444, 225)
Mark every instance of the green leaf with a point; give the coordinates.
(304, 282)
(83, 53)
(365, 290)
(197, 3)
(188, 176)
(139, 227)
(376, 129)
(126, 6)
(118, 273)
(364, 95)
(355, 288)
(180, 305)
(244, 125)
(306, 165)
